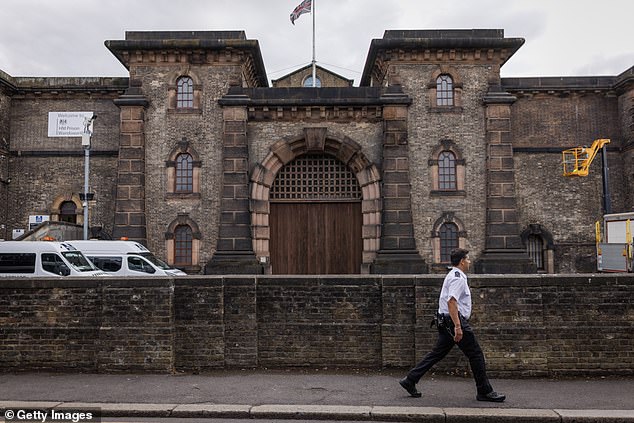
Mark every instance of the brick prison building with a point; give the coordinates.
(196, 156)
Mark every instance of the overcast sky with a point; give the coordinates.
(563, 37)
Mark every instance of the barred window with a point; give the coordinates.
(447, 171)
(444, 90)
(535, 250)
(185, 93)
(184, 173)
(315, 177)
(183, 243)
(448, 241)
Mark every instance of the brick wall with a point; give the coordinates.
(43, 169)
(527, 325)
(465, 126)
(5, 107)
(543, 125)
(164, 129)
(626, 108)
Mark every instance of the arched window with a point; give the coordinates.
(308, 82)
(540, 247)
(184, 93)
(183, 167)
(183, 245)
(447, 171)
(535, 250)
(448, 241)
(68, 212)
(184, 173)
(444, 90)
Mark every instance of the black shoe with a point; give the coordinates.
(410, 387)
(491, 397)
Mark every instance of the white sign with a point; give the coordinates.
(17, 233)
(37, 220)
(69, 124)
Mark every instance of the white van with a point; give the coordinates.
(124, 258)
(43, 258)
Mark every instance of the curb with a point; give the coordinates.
(337, 412)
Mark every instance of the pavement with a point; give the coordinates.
(319, 394)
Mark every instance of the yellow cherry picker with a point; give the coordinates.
(615, 247)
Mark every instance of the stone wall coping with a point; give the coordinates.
(300, 96)
(252, 47)
(478, 281)
(557, 83)
(422, 40)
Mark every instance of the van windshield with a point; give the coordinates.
(78, 261)
(155, 261)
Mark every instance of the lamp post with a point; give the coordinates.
(85, 142)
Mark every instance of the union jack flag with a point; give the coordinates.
(304, 7)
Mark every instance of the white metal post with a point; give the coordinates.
(86, 173)
(85, 142)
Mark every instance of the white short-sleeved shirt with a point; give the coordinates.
(455, 285)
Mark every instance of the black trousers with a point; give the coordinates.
(468, 345)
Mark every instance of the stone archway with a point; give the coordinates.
(317, 140)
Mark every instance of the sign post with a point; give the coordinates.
(75, 124)
(85, 142)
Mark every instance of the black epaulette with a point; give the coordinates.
(457, 274)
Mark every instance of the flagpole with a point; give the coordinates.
(314, 62)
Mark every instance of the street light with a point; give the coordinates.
(85, 142)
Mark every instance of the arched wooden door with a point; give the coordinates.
(315, 218)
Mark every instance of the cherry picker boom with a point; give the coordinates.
(577, 160)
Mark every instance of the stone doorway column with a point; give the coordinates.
(397, 254)
(129, 217)
(234, 251)
(503, 247)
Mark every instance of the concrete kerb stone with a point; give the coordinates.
(403, 414)
(226, 411)
(337, 412)
(34, 405)
(595, 416)
(311, 412)
(123, 409)
(500, 415)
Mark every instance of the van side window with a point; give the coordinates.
(54, 264)
(140, 265)
(17, 263)
(107, 264)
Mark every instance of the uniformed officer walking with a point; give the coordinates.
(454, 310)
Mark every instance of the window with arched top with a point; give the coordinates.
(535, 250)
(447, 171)
(183, 245)
(447, 234)
(67, 208)
(308, 82)
(184, 93)
(184, 173)
(68, 212)
(540, 247)
(448, 241)
(444, 90)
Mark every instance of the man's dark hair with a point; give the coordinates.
(457, 255)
